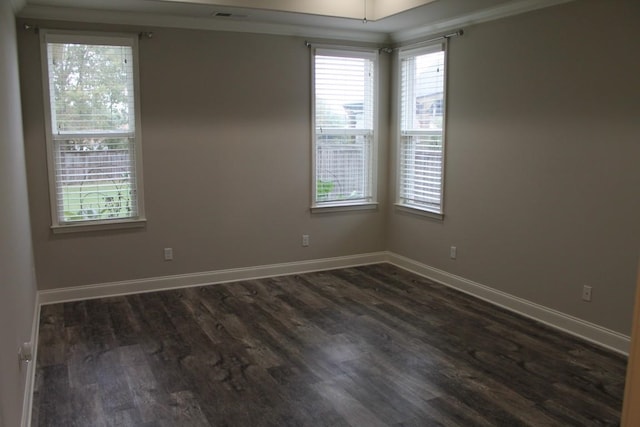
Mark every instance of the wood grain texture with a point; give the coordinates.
(365, 346)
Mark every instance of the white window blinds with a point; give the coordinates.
(344, 103)
(421, 157)
(93, 145)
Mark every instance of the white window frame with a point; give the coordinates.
(402, 203)
(58, 225)
(370, 201)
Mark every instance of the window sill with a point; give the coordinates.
(419, 212)
(369, 206)
(98, 226)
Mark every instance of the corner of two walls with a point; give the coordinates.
(540, 193)
(542, 179)
(226, 157)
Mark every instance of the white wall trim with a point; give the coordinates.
(586, 330)
(27, 400)
(152, 284)
(196, 23)
(34, 11)
(203, 278)
(486, 15)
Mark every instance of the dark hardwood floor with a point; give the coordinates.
(366, 346)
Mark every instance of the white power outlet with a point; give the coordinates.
(168, 254)
(453, 252)
(305, 240)
(586, 293)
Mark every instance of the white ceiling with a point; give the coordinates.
(405, 19)
(372, 10)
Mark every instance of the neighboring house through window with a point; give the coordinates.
(93, 130)
(344, 97)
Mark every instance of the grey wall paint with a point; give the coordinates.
(542, 176)
(227, 161)
(17, 280)
(541, 180)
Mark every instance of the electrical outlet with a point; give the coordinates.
(25, 352)
(453, 252)
(168, 254)
(586, 293)
(305, 240)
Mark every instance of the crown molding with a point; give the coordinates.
(318, 32)
(197, 23)
(486, 15)
(352, 9)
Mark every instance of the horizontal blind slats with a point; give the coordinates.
(92, 104)
(91, 87)
(344, 105)
(421, 148)
(92, 185)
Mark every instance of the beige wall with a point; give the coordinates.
(541, 181)
(543, 176)
(17, 280)
(226, 141)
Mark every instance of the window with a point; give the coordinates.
(344, 99)
(422, 114)
(93, 136)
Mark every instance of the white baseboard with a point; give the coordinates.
(27, 400)
(564, 322)
(588, 331)
(203, 278)
(174, 282)
(581, 328)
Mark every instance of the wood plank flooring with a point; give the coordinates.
(366, 346)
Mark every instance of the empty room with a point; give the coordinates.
(319, 213)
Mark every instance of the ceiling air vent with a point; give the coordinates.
(228, 15)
